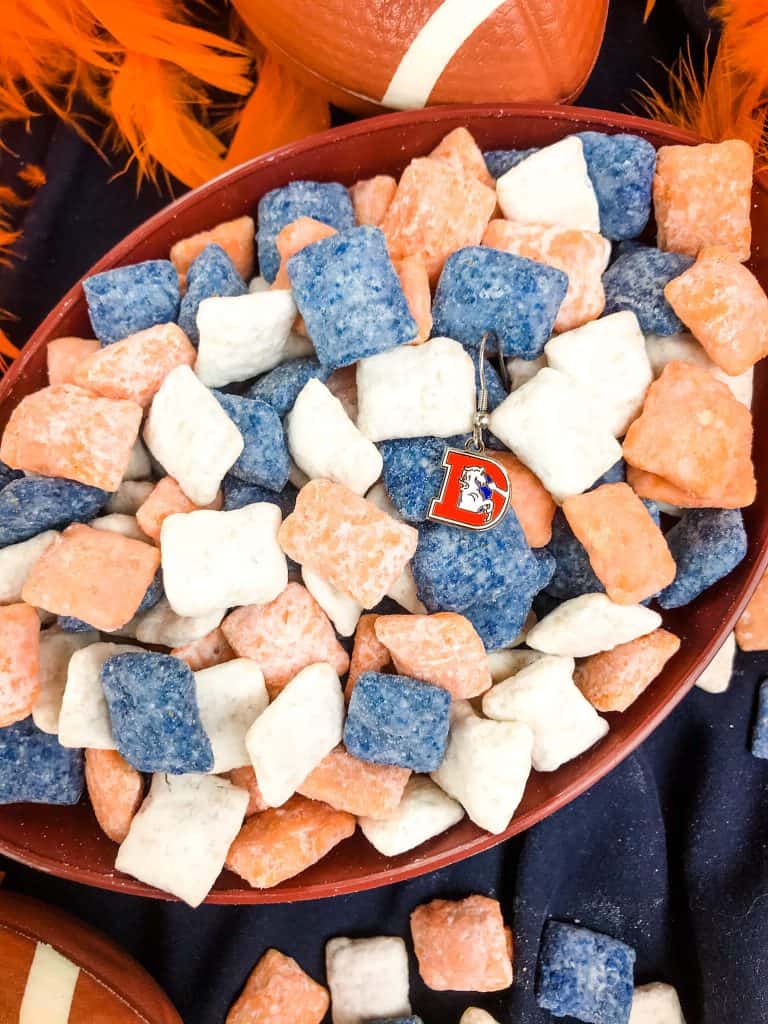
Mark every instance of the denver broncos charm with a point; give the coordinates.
(475, 491)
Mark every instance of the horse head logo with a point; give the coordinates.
(474, 493)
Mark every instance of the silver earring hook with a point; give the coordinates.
(480, 421)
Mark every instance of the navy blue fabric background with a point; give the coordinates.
(668, 853)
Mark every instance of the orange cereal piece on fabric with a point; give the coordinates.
(357, 787)
(532, 503)
(115, 789)
(738, 492)
(282, 841)
(371, 198)
(63, 430)
(296, 236)
(368, 652)
(723, 305)
(752, 627)
(436, 210)
(19, 662)
(166, 499)
(279, 992)
(284, 636)
(702, 196)
(462, 945)
(347, 540)
(626, 548)
(236, 237)
(64, 354)
(611, 681)
(460, 149)
(94, 575)
(443, 649)
(692, 432)
(211, 649)
(245, 778)
(414, 280)
(582, 255)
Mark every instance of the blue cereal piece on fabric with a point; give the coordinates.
(706, 545)
(499, 161)
(455, 568)
(573, 575)
(326, 201)
(636, 282)
(212, 274)
(154, 592)
(399, 721)
(129, 299)
(31, 504)
(264, 460)
(69, 624)
(486, 290)
(238, 494)
(413, 472)
(585, 974)
(281, 387)
(36, 769)
(499, 620)
(351, 299)
(7, 474)
(155, 719)
(621, 169)
(760, 729)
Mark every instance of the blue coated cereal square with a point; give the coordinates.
(7, 474)
(129, 299)
(36, 769)
(499, 161)
(280, 387)
(155, 591)
(621, 169)
(706, 545)
(636, 282)
(760, 729)
(498, 621)
(617, 474)
(573, 575)
(326, 201)
(398, 721)
(264, 460)
(212, 274)
(155, 718)
(351, 299)
(413, 473)
(483, 290)
(585, 975)
(31, 504)
(69, 624)
(238, 494)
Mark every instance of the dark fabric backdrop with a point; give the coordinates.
(668, 853)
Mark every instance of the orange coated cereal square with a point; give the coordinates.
(293, 238)
(626, 548)
(245, 778)
(460, 149)
(357, 787)
(738, 492)
(166, 499)
(613, 680)
(236, 238)
(19, 662)
(282, 841)
(702, 196)
(64, 354)
(752, 627)
(63, 430)
(279, 992)
(462, 945)
(94, 575)
(211, 649)
(371, 198)
(531, 502)
(115, 790)
(414, 281)
(368, 652)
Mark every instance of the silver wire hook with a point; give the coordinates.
(480, 420)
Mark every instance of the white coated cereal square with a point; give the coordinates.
(656, 1003)
(590, 624)
(161, 625)
(230, 697)
(551, 186)
(474, 1015)
(84, 716)
(404, 592)
(608, 358)
(242, 335)
(549, 424)
(300, 727)
(520, 371)
(191, 436)
(56, 649)
(368, 979)
(130, 496)
(416, 390)
(343, 610)
(324, 442)
(716, 677)
(544, 696)
(505, 663)
(423, 812)
(16, 563)
(222, 559)
(120, 522)
(182, 833)
(663, 349)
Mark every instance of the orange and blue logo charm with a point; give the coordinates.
(475, 491)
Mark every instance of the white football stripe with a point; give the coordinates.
(50, 988)
(427, 57)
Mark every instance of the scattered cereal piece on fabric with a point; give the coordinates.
(16, 563)
(499, 161)
(636, 282)
(115, 790)
(235, 237)
(424, 811)
(84, 715)
(129, 299)
(279, 992)
(459, 148)
(621, 170)
(245, 778)
(371, 198)
(656, 1003)
(716, 677)
(264, 460)
(529, 499)
(368, 978)
(35, 768)
(358, 787)
(589, 624)
(706, 544)
(368, 653)
(166, 498)
(281, 387)
(209, 650)
(613, 680)
(343, 611)
(752, 626)
(293, 238)
(212, 274)
(414, 280)
(64, 355)
(129, 497)
(19, 662)
(161, 625)
(230, 697)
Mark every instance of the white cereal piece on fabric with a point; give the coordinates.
(590, 624)
(551, 186)
(258, 284)
(549, 423)
(368, 979)
(242, 335)
(684, 348)
(324, 442)
(49, 989)
(473, 1015)
(300, 727)
(230, 697)
(716, 677)
(182, 833)
(423, 812)
(416, 390)
(403, 590)
(139, 464)
(84, 716)
(217, 560)
(608, 358)
(119, 522)
(656, 1003)
(520, 371)
(486, 766)
(544, 697)
(129, 497)
(16, 563)
(56, 650)
(505, 662)
(191, 436)
(343, 610)
(161, 625)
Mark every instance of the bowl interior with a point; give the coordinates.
(67, 841)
